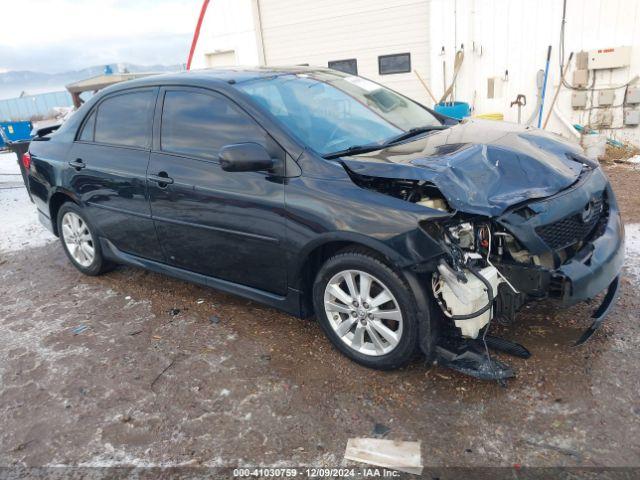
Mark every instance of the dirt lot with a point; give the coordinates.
(133, 368)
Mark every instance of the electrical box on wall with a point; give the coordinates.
(632, 117)
(494, 87)
(604, 118)
(579, 99)
(617, 57)
(582, 60)
(580, 77)
(605, 97)
(633, 95)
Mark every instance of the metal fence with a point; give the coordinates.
(29, 106)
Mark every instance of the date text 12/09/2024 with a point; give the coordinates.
(316, 472)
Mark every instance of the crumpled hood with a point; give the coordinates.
(480, 166)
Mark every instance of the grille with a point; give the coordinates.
(574, 228)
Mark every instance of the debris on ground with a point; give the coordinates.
(173, 312)
(548, 446)
(395, 454)
(214, 319)
(380, 430)
(79, 329)
(163, 371)
(624, 154)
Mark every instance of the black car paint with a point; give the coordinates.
(310, 204)
(482, 167)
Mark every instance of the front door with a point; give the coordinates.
(228, 225)
(108, 167)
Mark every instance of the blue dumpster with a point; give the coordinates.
(14, 132)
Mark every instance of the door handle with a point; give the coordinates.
(162, 179)
(78, 164)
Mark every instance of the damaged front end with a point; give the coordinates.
(565, 244)
(471, 292)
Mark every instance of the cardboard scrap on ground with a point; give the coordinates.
(394, 454)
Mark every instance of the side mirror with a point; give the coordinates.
(245, 157)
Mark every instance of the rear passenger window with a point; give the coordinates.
(87, 131)
(199, 124)
(126, 119)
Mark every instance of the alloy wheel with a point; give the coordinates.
(363, 312)
(77, 238)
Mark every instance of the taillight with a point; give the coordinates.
(26, 160)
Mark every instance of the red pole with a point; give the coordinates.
(196, 34)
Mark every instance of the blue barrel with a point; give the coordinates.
(457, 110)
(14, 132)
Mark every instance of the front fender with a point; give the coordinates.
(403, 251)
(320, 212)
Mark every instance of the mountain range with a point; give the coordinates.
(14, 83)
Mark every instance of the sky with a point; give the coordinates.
(59, 35)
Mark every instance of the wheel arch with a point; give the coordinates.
(312, 257)
(59, 198)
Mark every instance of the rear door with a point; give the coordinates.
(228, 225)
(108, 165)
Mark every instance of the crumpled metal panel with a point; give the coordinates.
(481, 167)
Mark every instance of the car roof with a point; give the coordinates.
(217, 76)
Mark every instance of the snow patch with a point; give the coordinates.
(19, 225)
(632, 241)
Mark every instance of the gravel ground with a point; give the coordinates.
(137, 369)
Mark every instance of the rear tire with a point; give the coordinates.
(80, 241)
(366, 310)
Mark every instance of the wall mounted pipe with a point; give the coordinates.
(544, 86)
(563, 72)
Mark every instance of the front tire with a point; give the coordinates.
(366, 310)
(80, 241)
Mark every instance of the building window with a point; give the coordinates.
(396, 63)
(346, 66)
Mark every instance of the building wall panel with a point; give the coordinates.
(514, 35)
(317, 32)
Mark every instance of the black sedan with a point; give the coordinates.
(326, 194)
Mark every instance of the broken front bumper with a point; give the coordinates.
(589, 271)
(595, 266)
(602, 311)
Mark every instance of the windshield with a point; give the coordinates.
(331, 112)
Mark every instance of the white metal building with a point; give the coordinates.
(505, 44)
